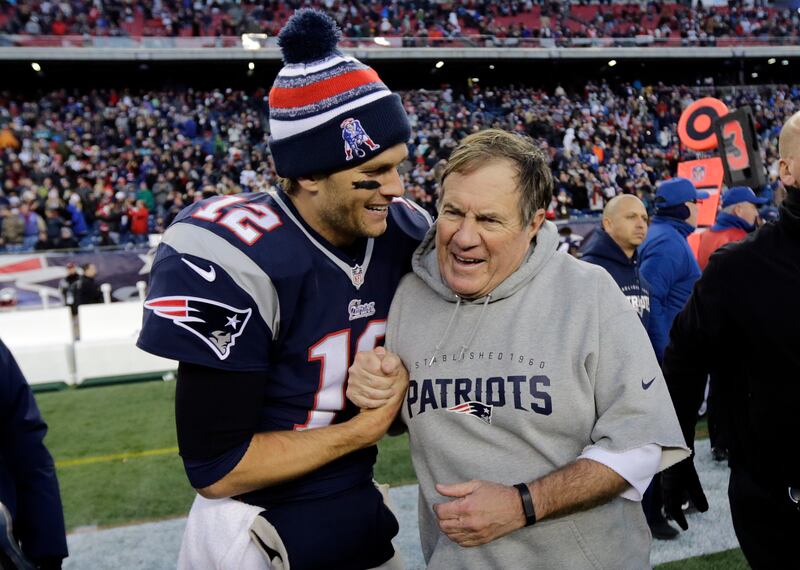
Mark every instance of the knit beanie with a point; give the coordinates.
(328, 111)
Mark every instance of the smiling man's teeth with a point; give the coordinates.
(377, 208)
(464, 260)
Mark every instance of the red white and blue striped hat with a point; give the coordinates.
(328, 111)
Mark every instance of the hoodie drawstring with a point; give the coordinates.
(466, 345)
(446, 332)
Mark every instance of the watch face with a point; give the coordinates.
(794, 495)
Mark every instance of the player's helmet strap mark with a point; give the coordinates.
(194, 240)
(357, 273)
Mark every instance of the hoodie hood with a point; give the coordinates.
(426, 266)
(681, 226)
(603, 246)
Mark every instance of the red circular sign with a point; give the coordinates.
(696, 125)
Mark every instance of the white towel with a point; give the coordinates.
(221, 535)
(217, 537)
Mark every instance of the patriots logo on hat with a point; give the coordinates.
(354, 136)
(476, 409)
(216, 324)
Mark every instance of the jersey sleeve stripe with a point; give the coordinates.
(414, 206)
(194, 240)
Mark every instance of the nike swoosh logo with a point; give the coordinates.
(207, 274)
(646, 385)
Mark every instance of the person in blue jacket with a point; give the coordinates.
(614, 248)
(28, 484)
(667, 261)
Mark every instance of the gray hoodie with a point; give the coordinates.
(512, 386)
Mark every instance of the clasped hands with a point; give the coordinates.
(481, 511)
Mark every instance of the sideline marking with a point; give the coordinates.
(115, 456)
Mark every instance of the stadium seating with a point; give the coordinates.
(41, 342)
(562, 22)
(107, 347)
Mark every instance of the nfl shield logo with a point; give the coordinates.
(357, 276)
(698, 173)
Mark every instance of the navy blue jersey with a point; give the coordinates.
(242, 283)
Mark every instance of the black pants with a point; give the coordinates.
(766, 522)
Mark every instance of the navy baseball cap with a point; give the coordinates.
(677, 191)
(739, 194)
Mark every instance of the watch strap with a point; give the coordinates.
(527, 503)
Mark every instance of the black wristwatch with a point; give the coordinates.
(527, 503)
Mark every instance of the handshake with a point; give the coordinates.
(376, 378)
(377, 383)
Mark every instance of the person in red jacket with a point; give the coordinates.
(737, 219)
(138, 215)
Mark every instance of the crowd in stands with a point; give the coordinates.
(416, 21)
(102, 167)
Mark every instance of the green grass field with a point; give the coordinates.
(116, 454)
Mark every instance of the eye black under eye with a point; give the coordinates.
(366, 185)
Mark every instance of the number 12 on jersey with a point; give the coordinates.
(333, 352)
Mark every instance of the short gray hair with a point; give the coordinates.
(534, 178)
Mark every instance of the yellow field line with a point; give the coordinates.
(115, 457)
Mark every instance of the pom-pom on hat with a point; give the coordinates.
(328, 111)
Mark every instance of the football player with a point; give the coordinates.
(264, 299)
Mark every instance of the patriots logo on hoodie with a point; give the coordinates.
(475, 409)
(216, 324)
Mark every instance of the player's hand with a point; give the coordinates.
(481, 512)
(372, 379)
(680, 482)
(374, 422)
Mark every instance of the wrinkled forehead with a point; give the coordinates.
(504, 171)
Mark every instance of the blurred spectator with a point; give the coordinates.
(32, 224)
(11, 229)
(88, 289)
(66, 240)
(68, 287)
(44, 242)
(54, 223)
(104, 238)
(138, 216)
(161, 190)
(146, 196)
(77, 219)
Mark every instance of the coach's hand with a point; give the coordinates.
(481, 512)
(680, 482)
(372, 379)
